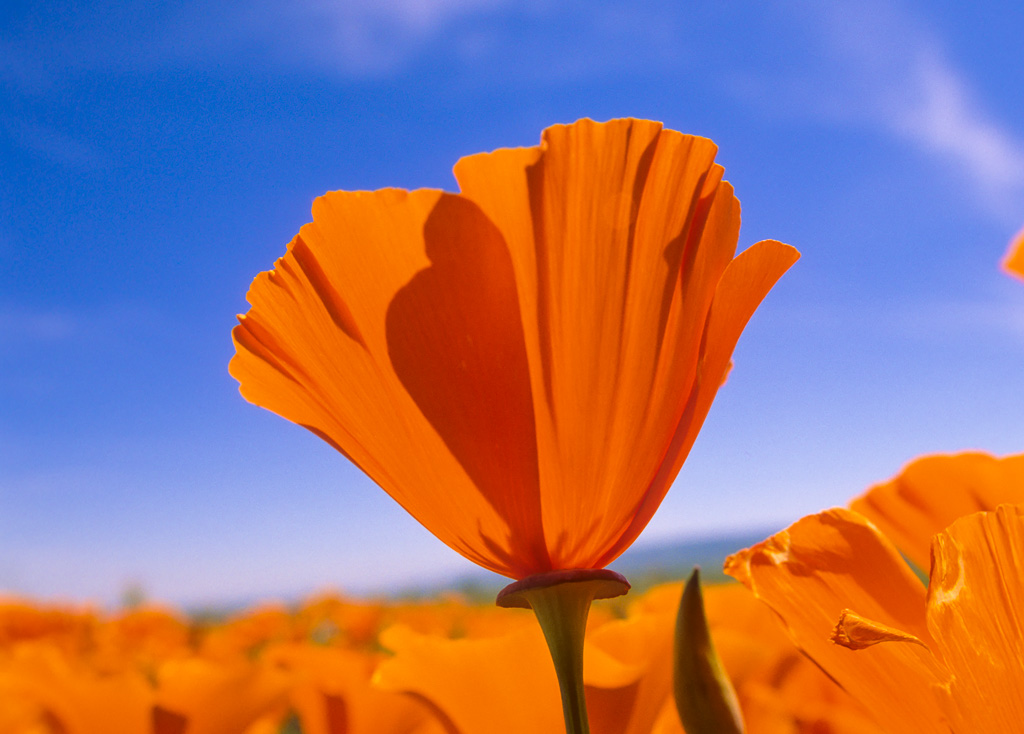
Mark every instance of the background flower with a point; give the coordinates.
(1014, 260)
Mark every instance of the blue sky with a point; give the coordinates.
(156, 156)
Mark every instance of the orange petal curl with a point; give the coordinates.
(933, 491)
(495, 685)
(214, 698)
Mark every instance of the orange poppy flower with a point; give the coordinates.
(55, 692)
(525, 364)
(1014, 260)
(945, 659)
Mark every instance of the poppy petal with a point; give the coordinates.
(562, 323)
(620, 233)
(744, 284)
(344, 338)
(933, 491)
(974, 614)
(639, 649)
(216, 698)
(502, 684)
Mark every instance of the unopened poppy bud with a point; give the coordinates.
(704, 696)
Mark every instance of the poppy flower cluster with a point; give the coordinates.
(942, 656)
(833, 583)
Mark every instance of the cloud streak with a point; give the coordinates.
(947, 121)
(886, 69)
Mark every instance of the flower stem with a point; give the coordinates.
(561, 600)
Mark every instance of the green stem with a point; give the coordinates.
(561, 600)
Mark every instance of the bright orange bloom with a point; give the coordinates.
(57, 693)
(945, 659)
(1014, 260)
(523, 365)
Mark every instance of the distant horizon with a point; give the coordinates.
(644, 556)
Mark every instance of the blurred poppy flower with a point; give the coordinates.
(54, 692)
(330, 693)
(1014, 260)
(779, 690)
(216, 697)
(523, 365)
(942, 659)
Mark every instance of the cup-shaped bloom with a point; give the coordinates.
(523, 365)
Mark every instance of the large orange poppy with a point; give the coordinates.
(523, 365)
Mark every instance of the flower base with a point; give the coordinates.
(561, 600)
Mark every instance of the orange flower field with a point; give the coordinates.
(524, 366)
(332, 665)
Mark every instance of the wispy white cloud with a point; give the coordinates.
(355, 38)
(946, 120)
(884, 67)
(366, 36)
(421, 16)
(19, 326)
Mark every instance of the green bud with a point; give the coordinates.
(704, 696)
